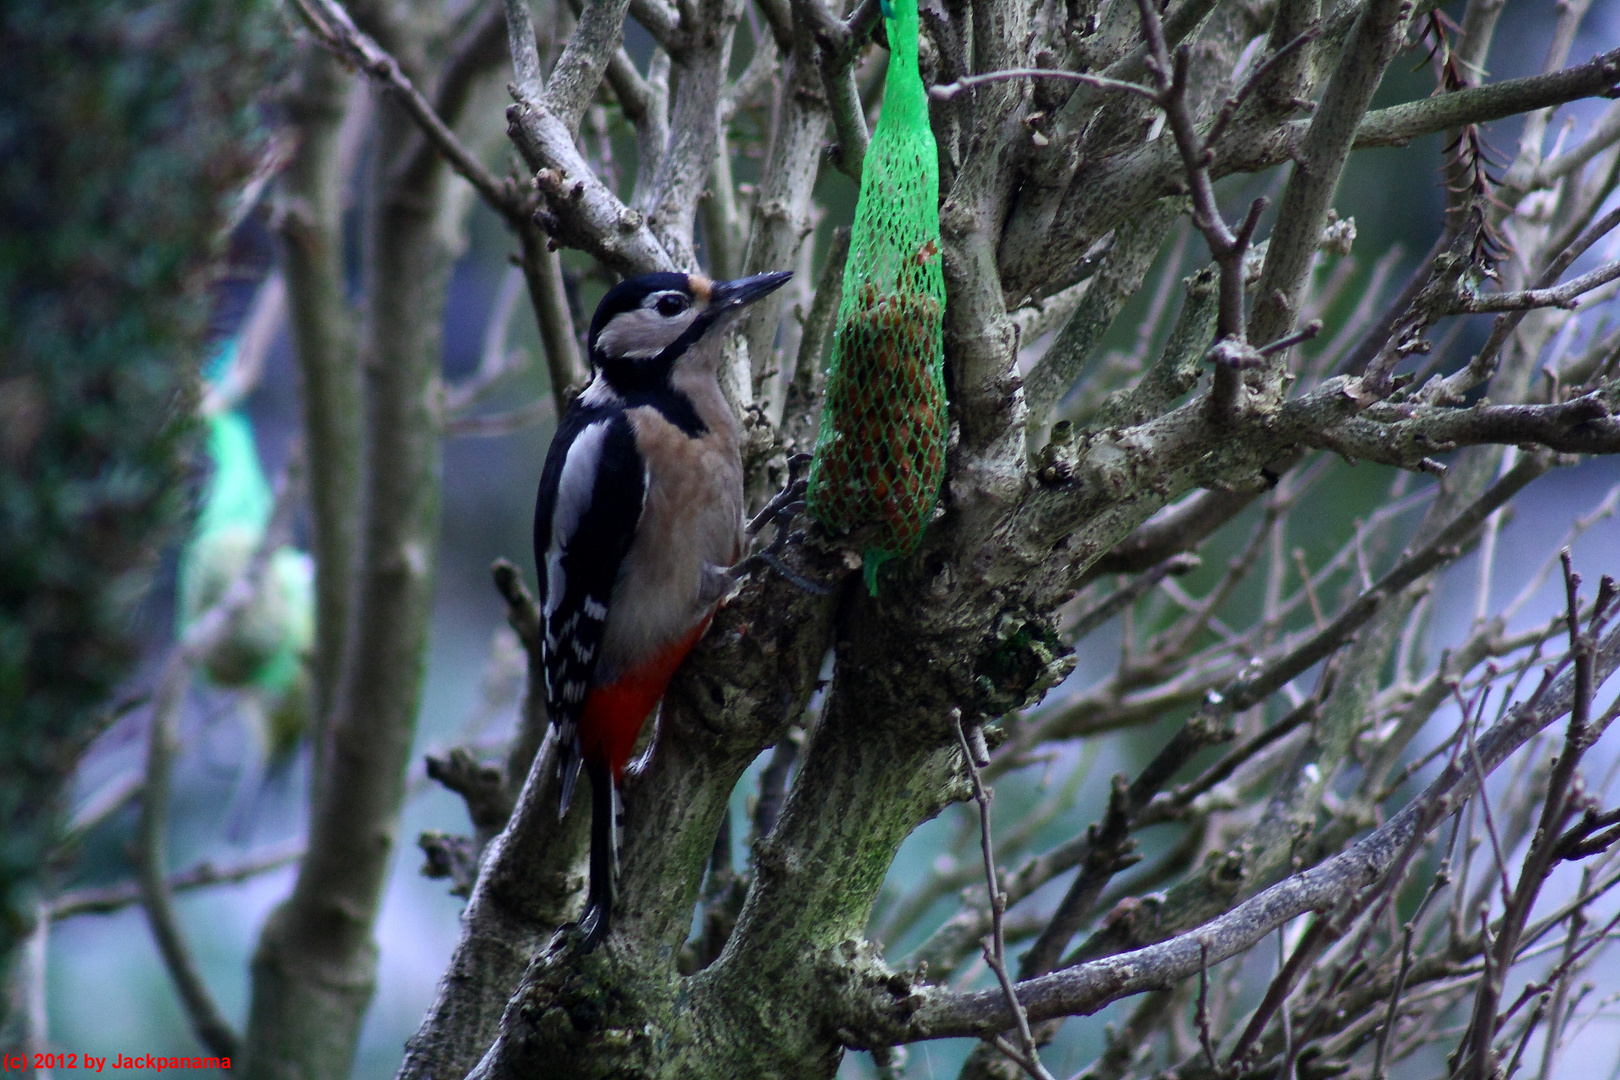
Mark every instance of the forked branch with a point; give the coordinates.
(330, 22)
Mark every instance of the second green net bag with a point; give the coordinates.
(880, 455)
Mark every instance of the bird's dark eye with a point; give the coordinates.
(671, 305)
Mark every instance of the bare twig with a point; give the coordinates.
(1483, 364)
(1441, 880)
(1165, 807)
(1602, 135)
(266, 318)
(542, 268)
(1201, 1015)
(1109, 849)
(502, 423)
(1275, 1003)
(1370, 46)
(495, 361)
(1562, 296)
(1123, 597)
(1232, 353)
(1472, 715)
(1255, 684)
(204, 635)
(1561, 979)
(202, 875)
(975, 757)
(1235, 101)
(947, 91)
(1543, 853)
(332, 24)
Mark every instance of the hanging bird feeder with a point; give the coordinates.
(880, 455)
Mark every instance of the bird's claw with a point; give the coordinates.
(784, 507)
(771, 559)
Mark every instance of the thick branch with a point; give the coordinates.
(581, 211)
(1182, 528)
(1585, 425)
(659, 19)
(1136, 245)
(782, 217)
(525, 890)
(1179, 365)
(1399, 124)
(585, 58)
(693, 131)
(331, 117)
(721, 711)
(801, 410)
(1319, 162)
(1101, 198)
(849, 122)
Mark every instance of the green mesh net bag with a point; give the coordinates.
(880, 455)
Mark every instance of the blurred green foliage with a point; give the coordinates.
(127, 129)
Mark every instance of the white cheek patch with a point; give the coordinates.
(642, 333)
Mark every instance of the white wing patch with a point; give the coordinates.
(574, 490)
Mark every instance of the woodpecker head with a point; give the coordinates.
(645, 325)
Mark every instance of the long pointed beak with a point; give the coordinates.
(741, 292)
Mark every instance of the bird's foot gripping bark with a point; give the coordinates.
(784, 507)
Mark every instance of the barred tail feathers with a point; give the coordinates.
(568, 763)
(604, 853)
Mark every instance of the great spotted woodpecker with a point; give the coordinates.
(638, 520)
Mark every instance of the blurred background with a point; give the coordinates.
(108, 992)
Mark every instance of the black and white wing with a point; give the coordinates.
(591, 496)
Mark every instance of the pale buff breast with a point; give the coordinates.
(691, 525)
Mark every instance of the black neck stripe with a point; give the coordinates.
(646, 382)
